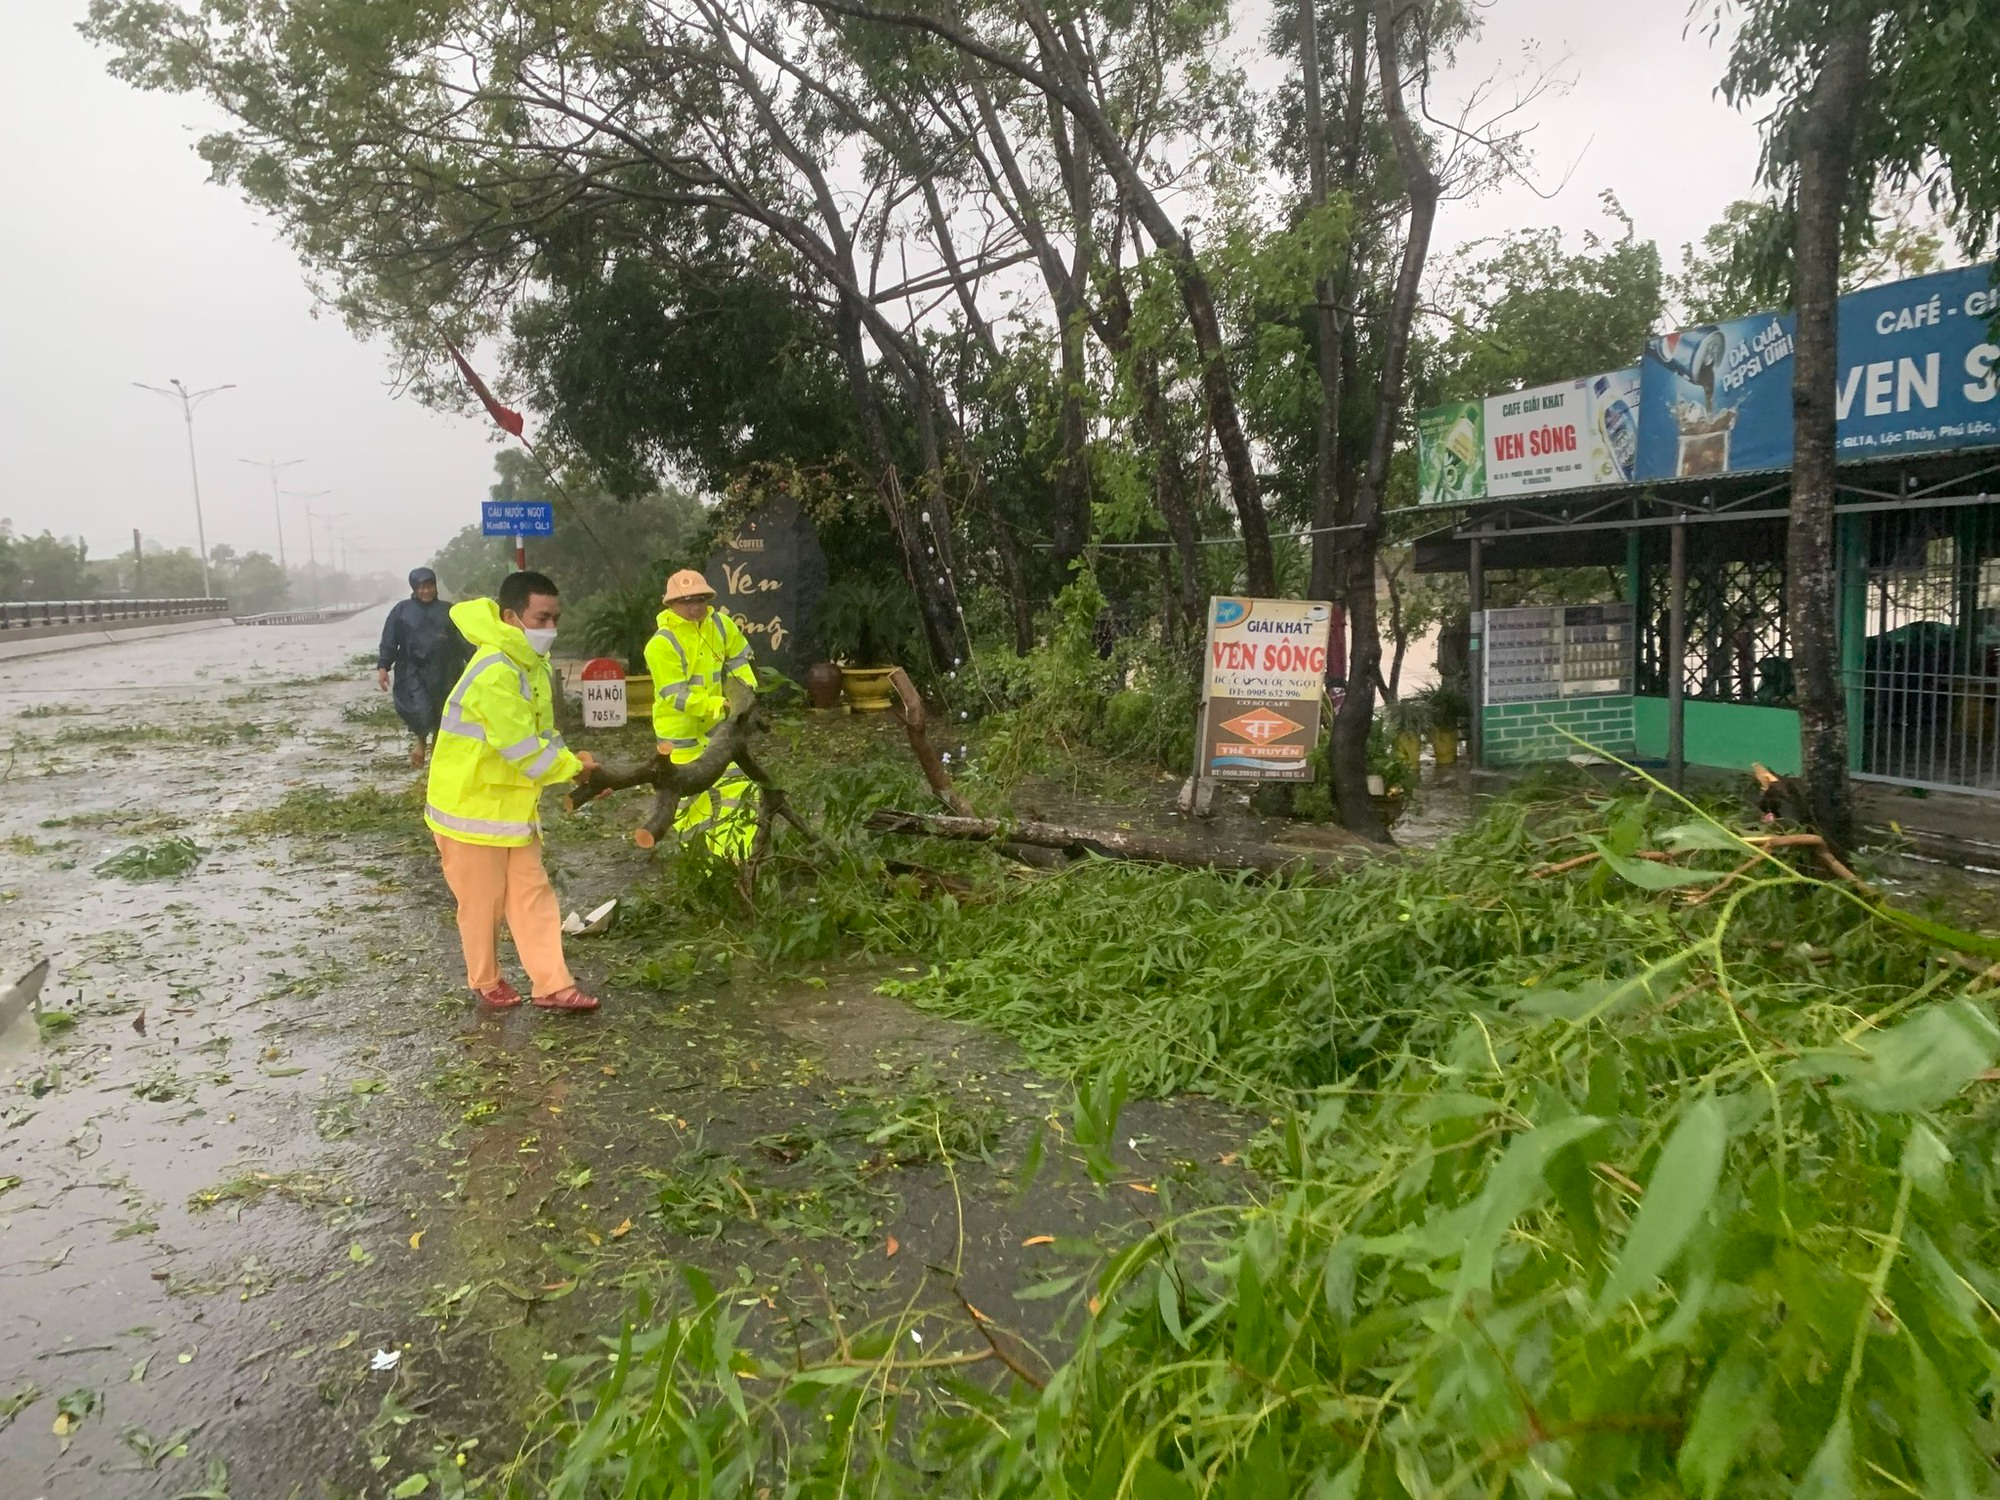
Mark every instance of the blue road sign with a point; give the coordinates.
(517, 518)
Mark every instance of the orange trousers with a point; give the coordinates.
(492, 882)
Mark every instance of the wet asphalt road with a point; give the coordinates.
(282, 1216)
(214, 1034)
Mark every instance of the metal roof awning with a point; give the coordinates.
(1587, 528)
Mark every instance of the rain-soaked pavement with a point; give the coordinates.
(280, 1215)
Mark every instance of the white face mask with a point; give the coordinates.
(540, 641)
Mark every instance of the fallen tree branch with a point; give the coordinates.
(728, 745)
(1658, 856)
(1734, 875)
(915, 718)
(1120, 843)
(1762, 842)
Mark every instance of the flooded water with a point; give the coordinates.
(282, 1215)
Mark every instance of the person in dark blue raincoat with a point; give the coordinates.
(427, 653)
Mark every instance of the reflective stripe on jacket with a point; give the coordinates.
(690, 661)
(497, 744)
(723, 817)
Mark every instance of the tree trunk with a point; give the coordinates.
(1005, 549)
(1072, 518)
(1218, 387)
(1071, 530)
(1260, 568)
(1399, 635)
(1349, 750)
(1170, 487)
(1020, 607)
(1070, 515)
(1119, 843)
(1066, 83)
(1170, 480)
(1825, 172)
(931, 607)
(1331, 287)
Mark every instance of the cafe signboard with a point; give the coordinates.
(1263, 687)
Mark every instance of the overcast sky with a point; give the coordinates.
(121, 263)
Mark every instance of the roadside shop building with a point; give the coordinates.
(1674, 477)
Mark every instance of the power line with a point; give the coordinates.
(1205, 541)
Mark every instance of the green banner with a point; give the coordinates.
(1451, 453)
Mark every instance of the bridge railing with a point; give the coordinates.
(324, 616)
(38, 614)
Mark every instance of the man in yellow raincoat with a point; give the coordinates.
(696, 650)
(497, 748)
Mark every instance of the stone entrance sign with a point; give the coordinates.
(771, 575)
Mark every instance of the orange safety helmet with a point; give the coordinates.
(688, 584)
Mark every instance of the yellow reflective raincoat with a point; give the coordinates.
(690, 660)
(497, 745)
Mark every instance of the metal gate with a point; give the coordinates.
(1737, 642)
(1930, 669)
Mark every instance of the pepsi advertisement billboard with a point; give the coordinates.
(1717, 399)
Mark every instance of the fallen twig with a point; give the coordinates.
(1658, 856)
(979, 1321)
(1741, 870)
(1620, 1178)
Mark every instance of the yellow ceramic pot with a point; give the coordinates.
(866, 688)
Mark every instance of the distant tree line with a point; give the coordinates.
(47, 566)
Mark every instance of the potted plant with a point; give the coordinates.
(618, 624)
(862, 620)
(1408, 720)
(1448, 713)
(1389, 775)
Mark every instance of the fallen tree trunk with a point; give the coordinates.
(1121, 843)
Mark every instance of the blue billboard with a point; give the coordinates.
(517, 518)
(1916, 374)
(1717, 399)
(1917, 364)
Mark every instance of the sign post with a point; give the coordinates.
(1263, 683)
(519, 519)
(604, 704)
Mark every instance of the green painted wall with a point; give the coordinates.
(1722, 734)
(1729, 735)
(1520, 732)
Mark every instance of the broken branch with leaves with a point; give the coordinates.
(728, 745)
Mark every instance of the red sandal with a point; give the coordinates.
(501, 996)
(569, 999)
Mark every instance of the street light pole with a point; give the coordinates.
(189, 401)
(340, 569)
(275, 467)
(312, 557)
